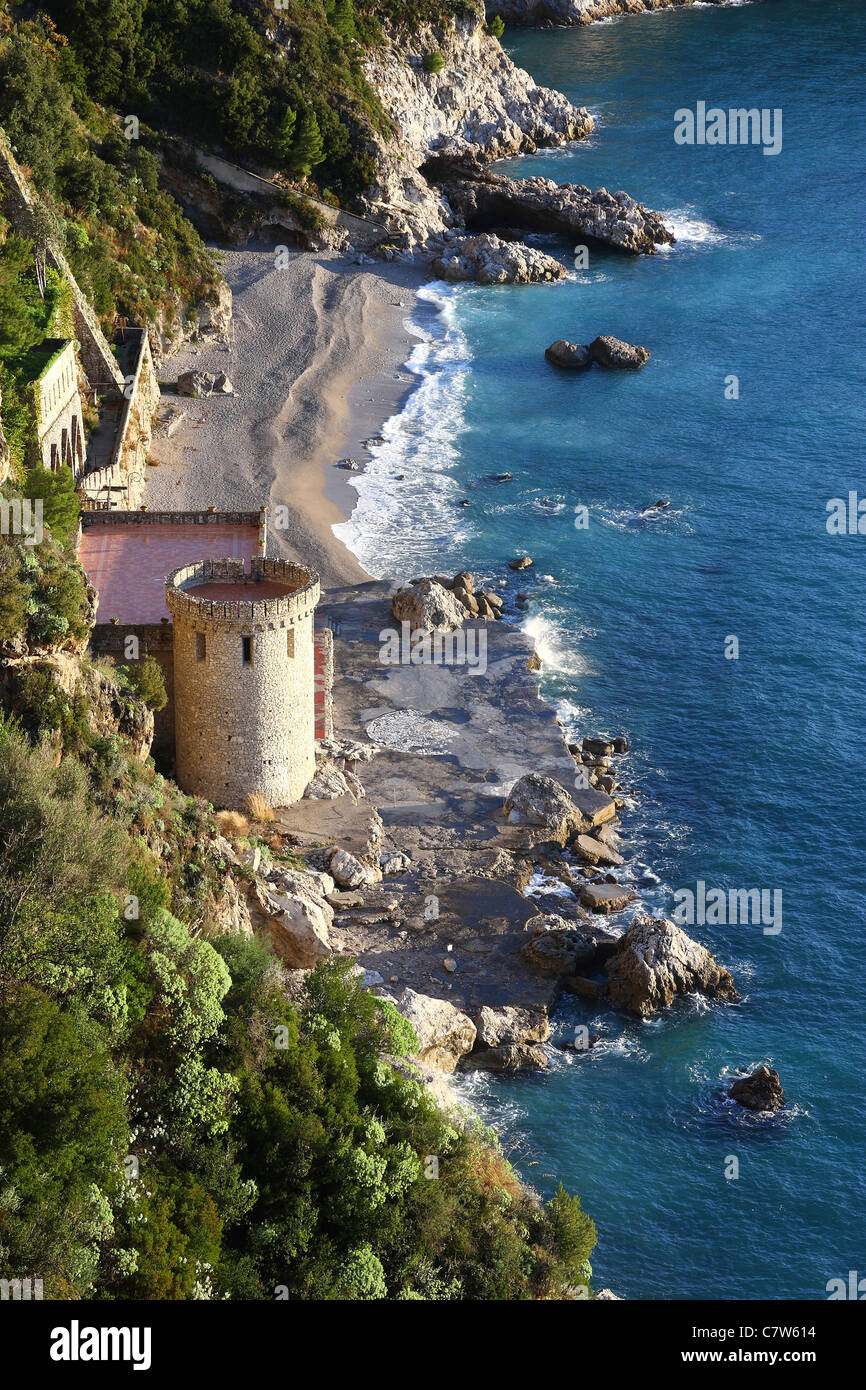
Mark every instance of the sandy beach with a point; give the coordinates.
(316, 358)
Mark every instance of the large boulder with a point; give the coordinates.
(656, 961)
(444, 1034)
(509, 1025)
(605, 897)
(509, 1057)
(613, 352)
(348, 871)
(489, 261)
(293, 912)
(562, 353)
(760, 1091)
(539, 800)
(594, 851)
(428, 605)
(195, 383)
(558, 947)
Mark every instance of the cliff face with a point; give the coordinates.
(479, 104)
(547, 12)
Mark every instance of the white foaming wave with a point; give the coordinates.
(397, 528)
(549, 644)
(691, 230)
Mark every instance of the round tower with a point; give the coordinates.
(243, 679)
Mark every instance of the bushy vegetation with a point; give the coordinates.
(130, 246)
(174, 1125)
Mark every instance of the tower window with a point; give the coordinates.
(200, 646)
(246, 651)
(290, 642)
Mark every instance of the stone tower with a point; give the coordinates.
(243, 679)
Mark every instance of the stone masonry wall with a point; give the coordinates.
(244, 728)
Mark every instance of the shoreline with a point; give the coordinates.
(317, 357)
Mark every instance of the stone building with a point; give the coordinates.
(59, 424)
(248, 679)
(244, 679)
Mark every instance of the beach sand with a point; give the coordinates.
(316, 358)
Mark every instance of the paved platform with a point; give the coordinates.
(128, 565)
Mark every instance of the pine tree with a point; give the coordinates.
(284, 135)
(309, 147)
(343, 19)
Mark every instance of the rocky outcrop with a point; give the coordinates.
(656, 961)
(613, 352)
(544, 13)
(759, 1092)
(540, 801)
(484, 201)
(562, 353)
(444, 1034)
(291, 907)
(479, 103)
(489, 261)
(427, 605)
(606, 351)
(560, 947)
(605, 897)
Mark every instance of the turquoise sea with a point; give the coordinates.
(745, 772)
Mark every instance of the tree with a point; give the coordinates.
(496, 26)
(433, 62)
(285, 134)
(343, 19)
(63, 1135)
(309, 147)
(146, 680)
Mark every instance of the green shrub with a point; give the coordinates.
(433, 62)
(496, 26)
(146, 680)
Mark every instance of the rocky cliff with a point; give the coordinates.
(548, 12)
(432, 190)
(478, 104)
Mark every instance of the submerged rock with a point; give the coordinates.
(760, 1091)
(656, 961)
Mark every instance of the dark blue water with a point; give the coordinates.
(746, 772)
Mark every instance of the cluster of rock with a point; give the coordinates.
(606, 351)
(490, 261)
(440, 604)
(200, 383)
(501, 1039)
(335, 775)
(641, 972)
(546, 13)
(593, 755)
(484, 200)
